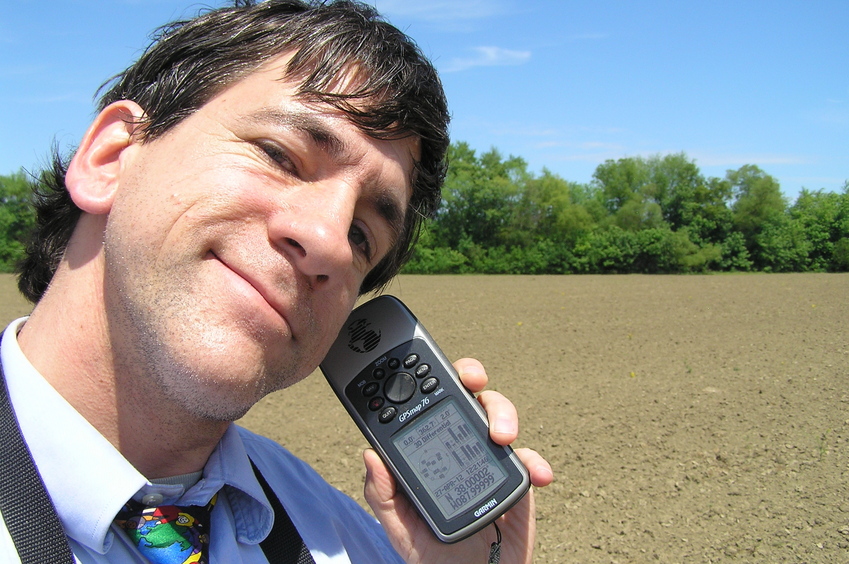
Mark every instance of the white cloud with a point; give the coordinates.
(814, 181)
(598, 152)
(833, 114)
(732, 159)
(596, 145)
(588, 157)
(487, 57)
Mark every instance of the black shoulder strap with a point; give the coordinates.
(284, 544)
(24, 502)
(35, 528)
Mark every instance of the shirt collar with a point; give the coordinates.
(230, 469)
(91, 477)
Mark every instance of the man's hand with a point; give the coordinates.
(412, 537)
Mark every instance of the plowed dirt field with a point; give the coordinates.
(688, 419)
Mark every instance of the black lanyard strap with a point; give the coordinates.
(284, 544)
(35, 528)
(27, 509)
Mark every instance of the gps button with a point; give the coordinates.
(387, 414)
(429, 385)
(400, 387)
(411, 360)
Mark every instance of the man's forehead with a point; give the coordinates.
(275, 79)
(279, 69)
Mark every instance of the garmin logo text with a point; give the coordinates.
(485, 508)
(361, 338)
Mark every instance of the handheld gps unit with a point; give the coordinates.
(408, 401)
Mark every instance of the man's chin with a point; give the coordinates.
(219, 401)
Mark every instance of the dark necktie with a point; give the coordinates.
(168, 534)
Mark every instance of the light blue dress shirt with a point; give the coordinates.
(89, 481)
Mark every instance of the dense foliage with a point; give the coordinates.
(640, 215)
(17, 217)
(637, 215)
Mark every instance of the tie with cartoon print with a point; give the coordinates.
(168, 534)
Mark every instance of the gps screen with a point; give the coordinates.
(450, 458)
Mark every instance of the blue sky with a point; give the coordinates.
(563, 84)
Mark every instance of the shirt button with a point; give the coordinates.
(152, 500)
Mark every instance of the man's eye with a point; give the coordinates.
(359, 239)
(279, 156)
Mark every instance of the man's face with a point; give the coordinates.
(237, 242)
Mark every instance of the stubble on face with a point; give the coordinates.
(179, 331)
(179, 349)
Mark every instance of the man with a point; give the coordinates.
(245, 181)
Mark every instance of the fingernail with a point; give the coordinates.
(505, 426)
(472, 369)
(549, 475)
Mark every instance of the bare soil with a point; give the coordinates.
(688, 419)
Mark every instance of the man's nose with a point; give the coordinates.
(312, 229)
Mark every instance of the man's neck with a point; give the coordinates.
(67, 340)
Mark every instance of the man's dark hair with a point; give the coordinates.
(397, 94)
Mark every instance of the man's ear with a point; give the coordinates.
(95, 171)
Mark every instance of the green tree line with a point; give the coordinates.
(637, 215)
(17, 218)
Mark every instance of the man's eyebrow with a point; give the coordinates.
(319, 132)
(381, 201)
(392, 212)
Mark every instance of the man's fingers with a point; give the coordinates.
(380, 484)
(472, 374)
(502, 416)
(538, 467)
